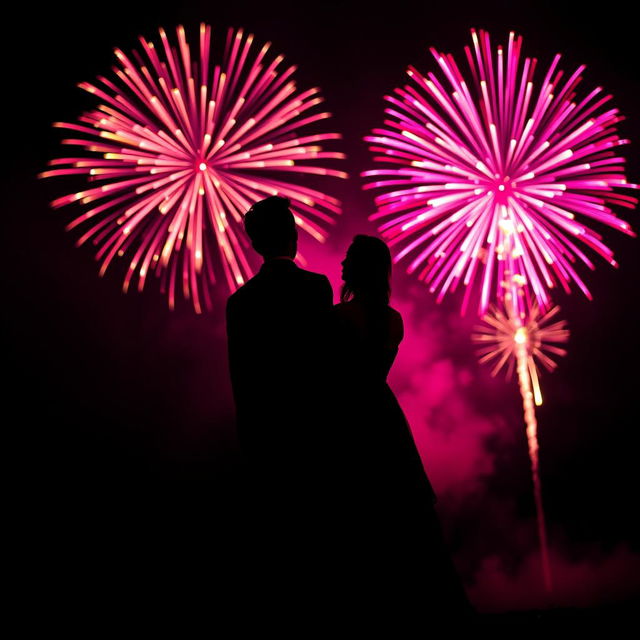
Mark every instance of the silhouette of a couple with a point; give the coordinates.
(342, 512)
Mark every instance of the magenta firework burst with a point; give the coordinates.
(181, 146)
(492, 179)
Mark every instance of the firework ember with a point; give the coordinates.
(180, 147)
(464, 164)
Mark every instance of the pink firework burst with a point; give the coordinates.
(179, 149)
(493, 183)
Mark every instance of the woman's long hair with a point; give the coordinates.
(367, 271)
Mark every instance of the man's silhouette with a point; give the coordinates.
(274, 337)
(273, 328)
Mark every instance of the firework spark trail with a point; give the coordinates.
(508, 338)
(532, 441)
(465, 164)
(183, 148)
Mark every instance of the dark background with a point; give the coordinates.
(121, 409)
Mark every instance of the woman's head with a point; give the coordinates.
(366, 270)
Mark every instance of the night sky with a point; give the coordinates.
(123, 412)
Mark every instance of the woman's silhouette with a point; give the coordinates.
(394, 554)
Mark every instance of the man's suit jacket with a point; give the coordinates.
(275, 328)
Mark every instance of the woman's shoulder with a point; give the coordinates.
(355, 312)
(354, 307)
(396, 324)
(348, 308)
(346, 311)
(394, 314)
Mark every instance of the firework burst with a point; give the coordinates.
(181, 147)
(496, 180)
(503, 337)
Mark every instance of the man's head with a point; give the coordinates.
(271, 227)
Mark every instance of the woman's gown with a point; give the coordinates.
(388, 539)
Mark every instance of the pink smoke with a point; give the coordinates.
(596, 579)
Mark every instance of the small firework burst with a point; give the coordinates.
(504, 336)
(179, 149)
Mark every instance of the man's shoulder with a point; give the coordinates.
(318, 288)
(261, 284)
(313, 277)
(242, 292)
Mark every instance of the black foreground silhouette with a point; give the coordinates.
(339, 506)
